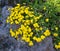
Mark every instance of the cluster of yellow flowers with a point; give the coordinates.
(57, 46)
(28, 22)
(55, 34)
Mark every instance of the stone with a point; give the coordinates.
(4, 26)
(7, 43)
(5, 11)
(45, 45)
(4, 2)
(58, 50)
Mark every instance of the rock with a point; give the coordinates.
(4, 26)
(58, 50)
(4, 2)
(10, 44)
(45, 45)
(5, 11)
(7, 43)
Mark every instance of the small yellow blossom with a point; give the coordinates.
(42, 37)
(55, 34)
(40, 28)
(47, 33)
(23, 38)
(34, 38)
(17, 32)
(38, 39)
(56, 46)
(18, 4)
(27, 40)
(59, 43)
(31, 43)
(12, 33)
(16, 22)
(47, 20)
(36, 25)
(56, 28)
(44, 8)
(40, 15)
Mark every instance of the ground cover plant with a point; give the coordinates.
(36, 21)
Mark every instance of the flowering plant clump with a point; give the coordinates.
(30, 28)
(34, 25)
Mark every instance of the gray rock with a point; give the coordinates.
(45, 45)
(4, 27)
(58, 50)
(13, 45)
(4, 2)
(17, 49)
(5, 12)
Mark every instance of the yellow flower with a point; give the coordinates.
(47, 33)
(9, 8)
(59, 43)
(30, 43)
(40, 15)
(23, 38)
(7, 21)
(59, 46)
(44, 8)
(56, 28)
(29, 29)
(12, 33)
(36, 18)
(27, 21)
(20, 32)
(31, 20)
(17, 32)
(11, 19)
(34, 38)
(56, 46)
(55, 34)
(31, 33)
(26, 16)
(25, 24)
(11, 22)
(47, 20)
(38, 39)
(18, 4)
(37, 29)
(24, 3)
(27, 40)
(19, 20)
(21, 11)
(40, 28)
(16, 22)
(10, 30)
(42, 37)
(36, 25)
(12, 9)
(26, 11)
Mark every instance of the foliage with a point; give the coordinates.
(50, 9)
